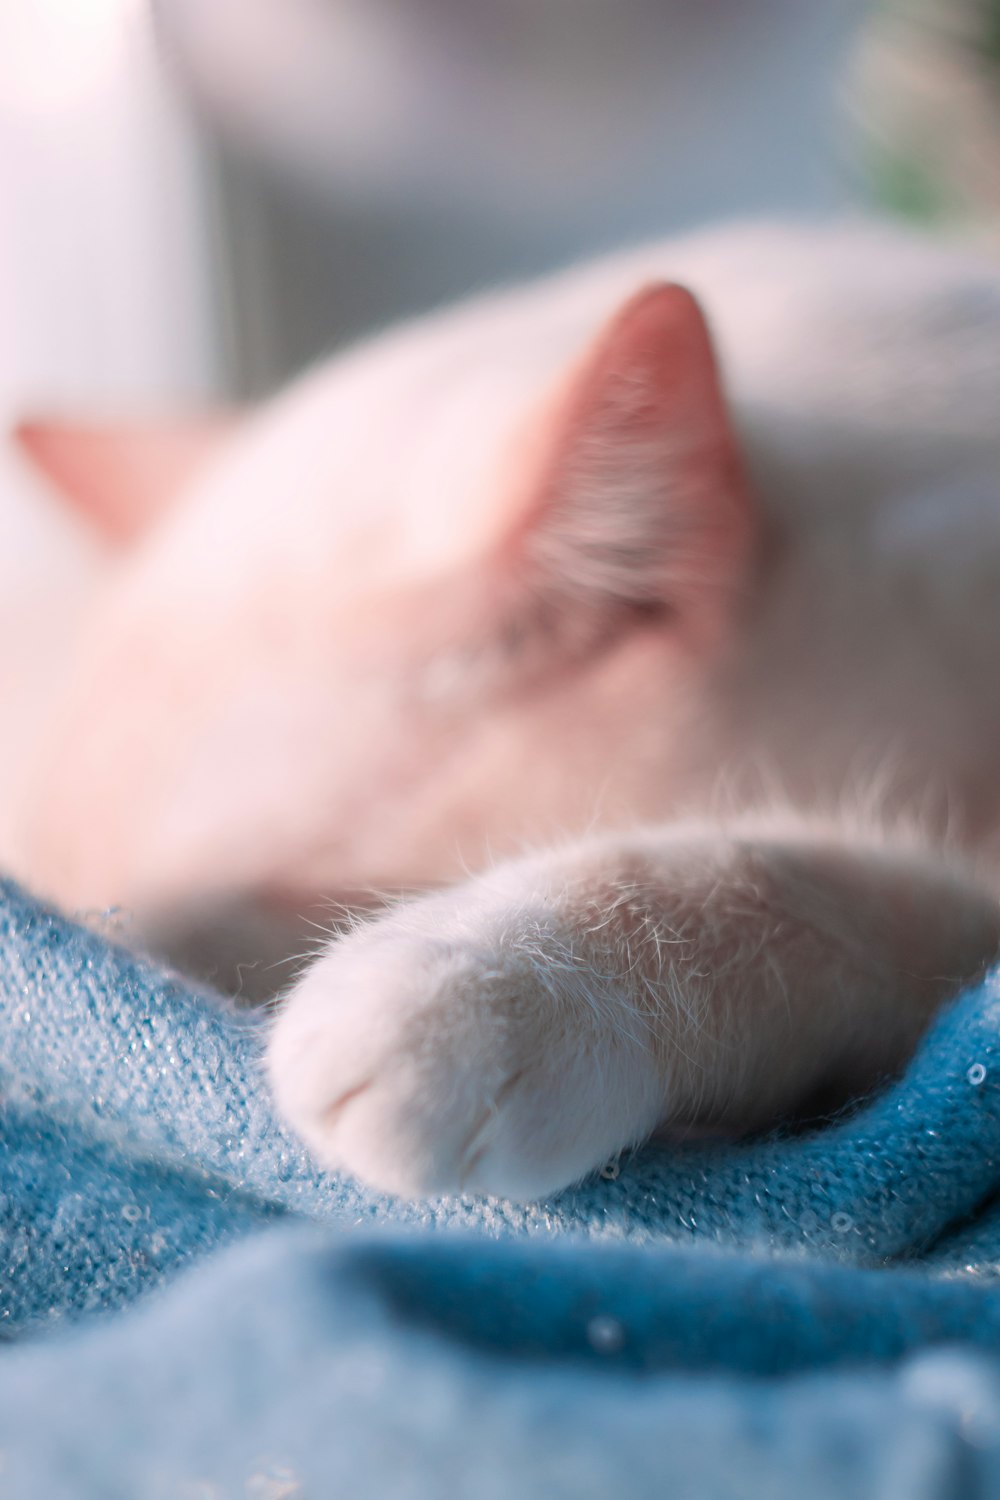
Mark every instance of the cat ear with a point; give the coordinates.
(640, 499)
(122, 478)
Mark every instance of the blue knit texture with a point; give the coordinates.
(815, 1315)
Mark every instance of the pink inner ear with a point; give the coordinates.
(640, 498)
(122, 478)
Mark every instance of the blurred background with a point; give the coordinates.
(198, 196)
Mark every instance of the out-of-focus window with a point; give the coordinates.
(105, 289)
(104, 293)
(385, 155)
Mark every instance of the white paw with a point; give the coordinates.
(462, 1045)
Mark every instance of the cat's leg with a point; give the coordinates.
(510, 1034)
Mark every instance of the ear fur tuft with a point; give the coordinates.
(640, 500)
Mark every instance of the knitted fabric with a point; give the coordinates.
(761, 1319)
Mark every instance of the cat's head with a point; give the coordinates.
(415, 614)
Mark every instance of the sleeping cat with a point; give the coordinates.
(647, 621)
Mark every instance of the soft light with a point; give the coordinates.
(58, 52)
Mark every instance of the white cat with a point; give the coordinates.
(528, 575)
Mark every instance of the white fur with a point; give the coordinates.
(468, 1041)
(304, 728)
(510, 1035)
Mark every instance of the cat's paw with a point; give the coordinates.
(510, 1035)
(449, 1048)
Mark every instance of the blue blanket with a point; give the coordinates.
(809, 1316)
